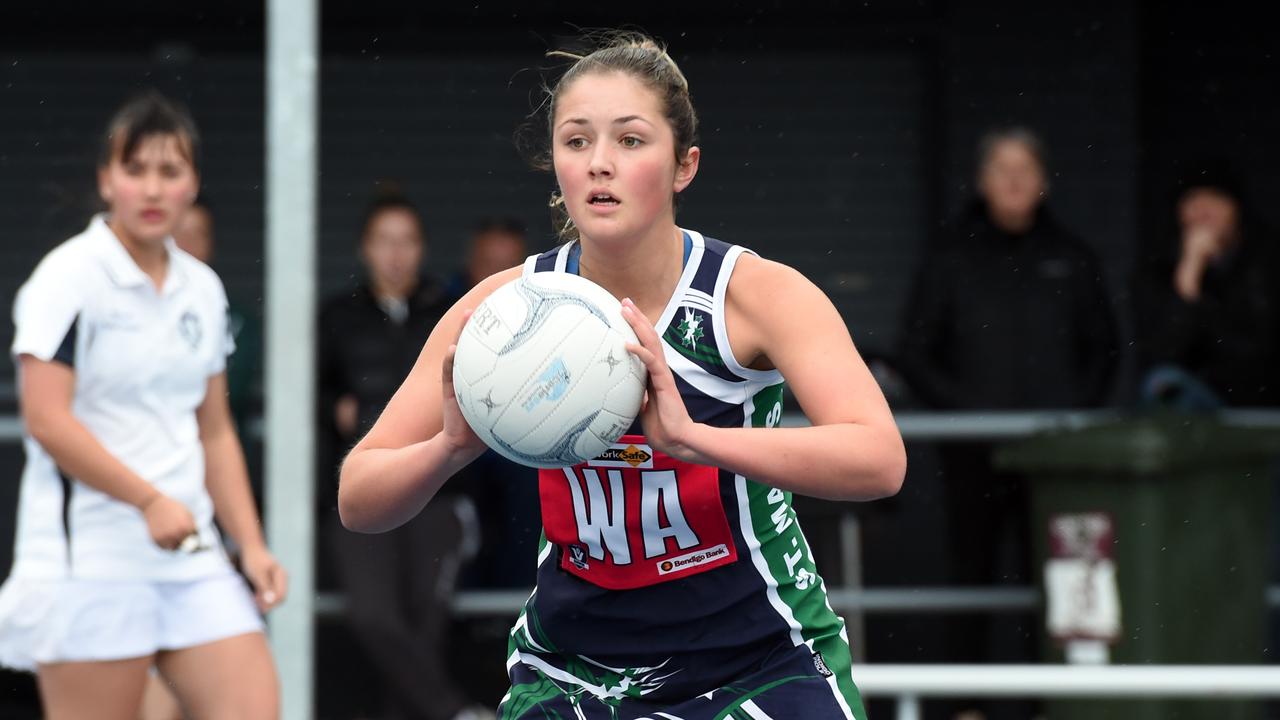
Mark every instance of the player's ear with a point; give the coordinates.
(687, 168)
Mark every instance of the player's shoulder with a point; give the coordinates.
(73, 264)
(78, 253)
(752, 273)
(767, 295)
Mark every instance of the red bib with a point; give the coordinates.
(635, 517)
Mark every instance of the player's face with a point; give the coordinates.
(1012, 181)
(149, 192)
(614, 156)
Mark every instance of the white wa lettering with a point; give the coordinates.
(602, 523)
(660, 486)
(600, 526)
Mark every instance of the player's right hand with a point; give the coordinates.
(168, 521)
(456, 431)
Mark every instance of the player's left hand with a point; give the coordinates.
(663, 415)
(269, 580)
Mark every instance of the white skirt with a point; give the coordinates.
(45, 621)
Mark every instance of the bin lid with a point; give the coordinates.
(1141, 445)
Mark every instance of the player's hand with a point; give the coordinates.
(457, 433)
(267, 576)
(663, 415)
(168, 521)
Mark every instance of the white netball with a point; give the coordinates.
(542, 373)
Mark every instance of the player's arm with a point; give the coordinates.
(227, 479)
(47, 390)
(420, 440)
(852, 450)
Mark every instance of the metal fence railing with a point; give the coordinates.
(910, 684)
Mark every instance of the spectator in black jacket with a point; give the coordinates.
(399, 585)
(1010, 311)
(1208, 300)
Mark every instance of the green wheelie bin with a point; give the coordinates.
(1189, 504)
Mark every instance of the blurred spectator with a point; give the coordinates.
(1208, 301)
(496, 244)
(399, 584)
(1010, 311)
(510, 516)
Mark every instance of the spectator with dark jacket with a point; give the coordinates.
(1208, 300)
(1010, 311)
(398, 585)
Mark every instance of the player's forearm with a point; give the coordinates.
(79, 454)
(843, 461)
(227, 479)
(382, 488)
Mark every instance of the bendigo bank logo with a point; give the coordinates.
(629, 456)
(692, 560)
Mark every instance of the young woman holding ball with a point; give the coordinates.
(701, 599)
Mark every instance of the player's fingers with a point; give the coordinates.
(277, 585)
(645, 333)
(641, 352)
(446, 367)
(466, 315)
(660, 380)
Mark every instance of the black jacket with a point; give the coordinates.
(365, 354)
(1230, 337)
(1000, 321)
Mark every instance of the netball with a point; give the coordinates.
(542, 373)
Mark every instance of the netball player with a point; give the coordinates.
(121, 342)
(701, 599)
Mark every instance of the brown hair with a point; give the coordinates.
(630, 53)
(145, 116)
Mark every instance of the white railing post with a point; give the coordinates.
(908, 707)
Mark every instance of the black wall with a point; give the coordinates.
(834, 139)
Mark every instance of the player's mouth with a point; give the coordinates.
(153, 215)
(601, 198)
